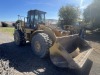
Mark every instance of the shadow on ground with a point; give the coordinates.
(94, 36)
(23, 60)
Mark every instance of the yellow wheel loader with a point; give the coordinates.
(67, 51)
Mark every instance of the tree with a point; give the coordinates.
(67, 15)
(92, 14)
(4, 24)
(18, 21)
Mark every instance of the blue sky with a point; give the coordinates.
(9, 9)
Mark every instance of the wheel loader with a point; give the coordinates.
(64, 50)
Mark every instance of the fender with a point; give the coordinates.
(47, 30)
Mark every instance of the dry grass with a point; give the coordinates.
(7, 30)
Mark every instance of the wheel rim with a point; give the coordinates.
(37, 46)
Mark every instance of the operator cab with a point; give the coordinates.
(34, 18)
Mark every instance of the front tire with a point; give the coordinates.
(40, 44)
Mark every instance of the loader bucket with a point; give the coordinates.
(69, 51)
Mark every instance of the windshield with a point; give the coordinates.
(39, 18)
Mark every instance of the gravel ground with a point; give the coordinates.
(16, 60)
(94, 39)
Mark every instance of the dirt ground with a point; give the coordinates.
(16, 60)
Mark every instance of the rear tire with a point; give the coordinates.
(40, 45)
(19, 38)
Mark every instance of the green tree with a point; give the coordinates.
(4, 24)
(67, 15)
(18, 21)
(92, 14)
